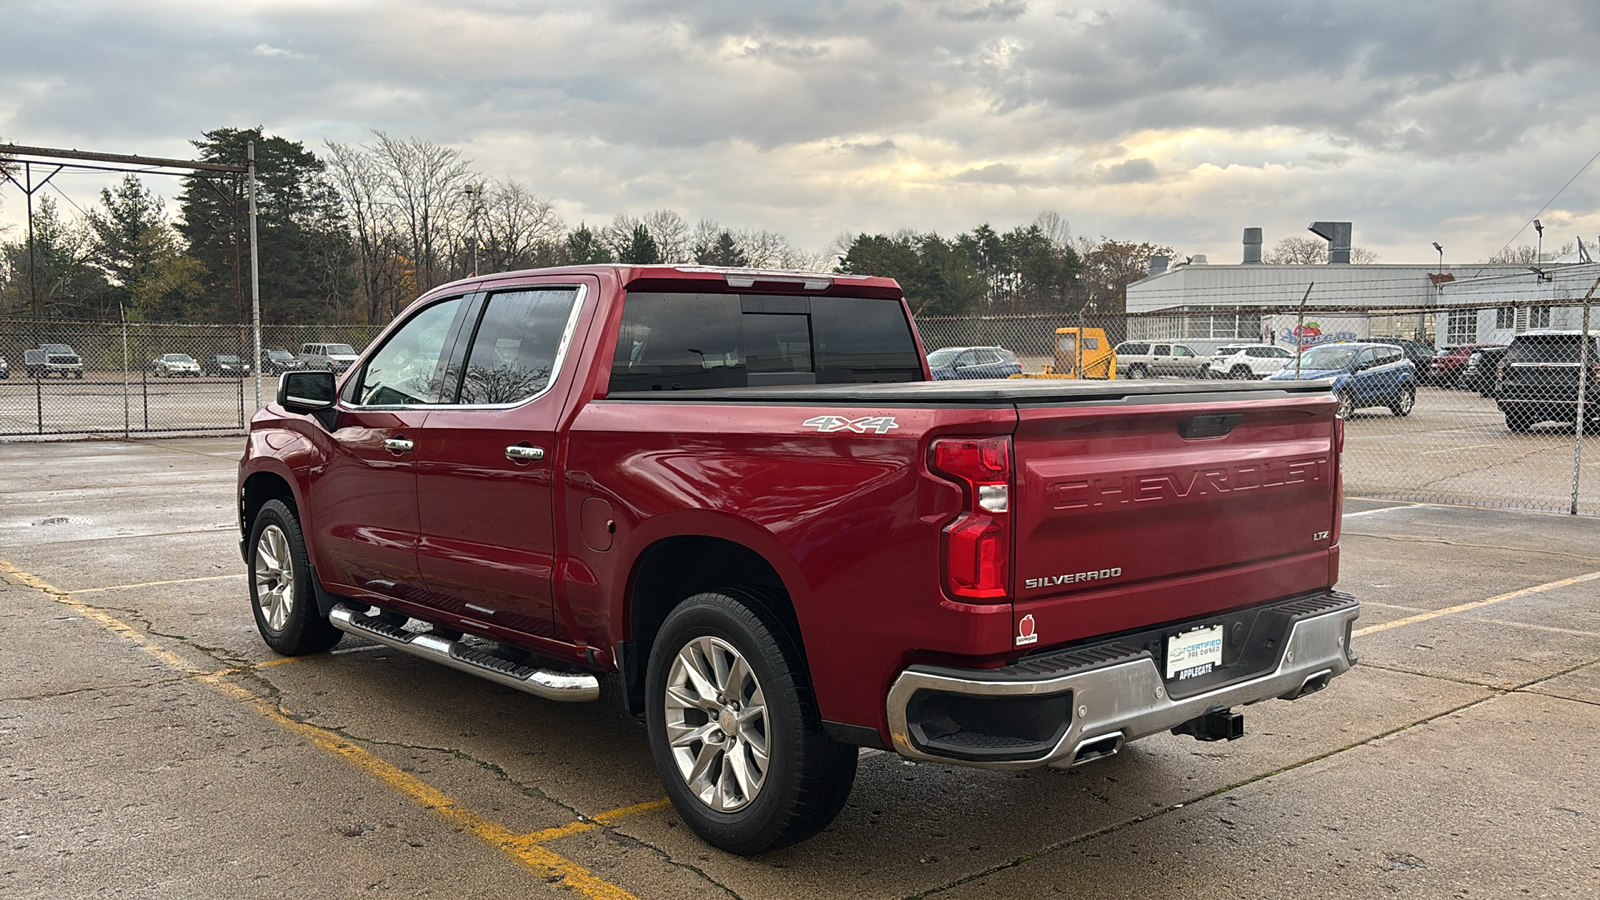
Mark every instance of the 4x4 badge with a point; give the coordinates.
(831, 424)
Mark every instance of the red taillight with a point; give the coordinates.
(977, 545)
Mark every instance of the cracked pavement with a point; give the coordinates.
(1458, 759)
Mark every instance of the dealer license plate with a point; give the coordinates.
(1194, 653)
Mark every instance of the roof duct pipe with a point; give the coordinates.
(1158, 265)
(1337, 234)
(1252, 246)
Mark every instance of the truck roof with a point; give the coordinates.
(710, 279)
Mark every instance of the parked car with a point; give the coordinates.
(1140, 359)
(1482, 371)
(225, 365)
(1539, 379)
(330, 357)
(175, 365)
(1448, 366)
(1246, 361)
(277, 361)
(1417, 352)
(973, 362)
(5, 369)
(1364, 374)
(52, 359)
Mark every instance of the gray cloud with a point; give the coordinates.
(812, 117)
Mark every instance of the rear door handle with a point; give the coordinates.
(522, 453)
(398, 445)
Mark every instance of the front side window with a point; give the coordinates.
(514, 353)
(405, 371)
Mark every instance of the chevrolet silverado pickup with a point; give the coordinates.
(741, 494)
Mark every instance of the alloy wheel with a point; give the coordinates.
(716, 718)
(274, 576)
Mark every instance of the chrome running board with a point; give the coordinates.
(566, 687)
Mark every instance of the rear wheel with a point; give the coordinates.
(1137, 372)
(1404, 401)
(1241, 373)
(281, 594)
(1347, 405)
(734, 730)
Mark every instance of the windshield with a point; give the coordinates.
(178, 357)
(943, 357)
(227, 359)
(1327, 357)
(341, 350)
(1548, 348)
(279, 354)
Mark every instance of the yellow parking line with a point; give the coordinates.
(536, 859)
(591, 823)
(124, 587)
(1500, 598)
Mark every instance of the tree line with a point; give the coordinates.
(354, 233)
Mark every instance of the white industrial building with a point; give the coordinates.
(1494, 308)
(1209, 303)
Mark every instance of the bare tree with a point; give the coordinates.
(1304, 251)
(671, 234)
(356, 176)
(515, 225)
(423, 181)
(1055, 228)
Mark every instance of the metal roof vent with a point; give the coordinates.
(1158, 265)
(1337, 234)
(1252, 246)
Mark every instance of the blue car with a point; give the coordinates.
(972, 362)
(1364, 374)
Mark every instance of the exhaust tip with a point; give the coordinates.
(1091, 749)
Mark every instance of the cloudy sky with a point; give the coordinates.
(1177, 123)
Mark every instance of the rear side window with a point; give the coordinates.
(517, 345)
(694, 341)
(1134, 349)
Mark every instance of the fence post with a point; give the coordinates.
(38, 399)
(144, 392)
(1583, 389)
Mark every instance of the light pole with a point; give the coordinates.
(1441, 256)
(1538, 254)
(474, 194)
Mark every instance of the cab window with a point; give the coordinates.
(405, 370)
(517, 345)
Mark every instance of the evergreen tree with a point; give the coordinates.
(722, 252)
(305, 254)
(137, 251)
(641, 249)
(65, 284)
(584, 247)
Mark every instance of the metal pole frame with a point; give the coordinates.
(255, 271)
(1578, 422)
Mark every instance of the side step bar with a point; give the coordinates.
(563, 686)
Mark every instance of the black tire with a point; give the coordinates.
(1519, 422)
(1404, 401)
(1137, 372)
(282, 596)
(1241, 373)
(808, 775)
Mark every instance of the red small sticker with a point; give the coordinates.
(1025, 633)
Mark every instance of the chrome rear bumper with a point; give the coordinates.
(1115, 693)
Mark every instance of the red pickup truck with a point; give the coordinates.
(741, 492)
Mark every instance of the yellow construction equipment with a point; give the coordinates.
(1081, 353)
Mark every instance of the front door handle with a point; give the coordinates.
(522, 453)
(398, 445)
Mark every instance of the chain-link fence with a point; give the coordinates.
(98, 378)
(1466, 406)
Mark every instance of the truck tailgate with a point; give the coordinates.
(1132, 514)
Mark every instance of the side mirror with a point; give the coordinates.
(306, 392)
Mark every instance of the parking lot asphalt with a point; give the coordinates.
(152, 745)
